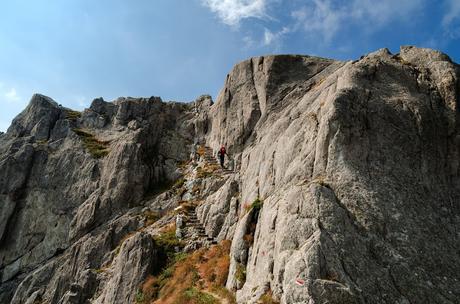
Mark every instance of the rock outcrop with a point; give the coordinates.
(346, 187)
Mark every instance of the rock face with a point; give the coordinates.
(346, 187)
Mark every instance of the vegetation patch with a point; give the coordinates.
(189, 206)
(398, 58)
(240, 274)
(205, 172)
(72, 115)
(201, 151)
(322, 181)
(186, 278)
(95, 147)
(168, 243)
(256, 205)
(224, 293)
(267, 298)
(150, 217)
(255, 208)
(195, 296)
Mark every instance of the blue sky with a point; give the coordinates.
(76, 50)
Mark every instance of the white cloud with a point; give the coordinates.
(231, 12)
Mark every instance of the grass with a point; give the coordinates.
(95, 147)
(201, 150)
(267, 298)
(179, 183)
(195, 296)
(187, 277)
(224, 293)
(150, 217)
(257, 204)
(240, 274)
(401, 60)
(203, 172)
(189, 206)
(322, 181)
(72, 115)
(167, 243)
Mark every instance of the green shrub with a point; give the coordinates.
(140, 298)
(257, 204)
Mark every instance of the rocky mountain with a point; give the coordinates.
(343, 186)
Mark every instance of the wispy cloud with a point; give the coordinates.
(8, 94)
(231, 12)
(80, 102)
(271, 38)
(11, 95)
(451, 20)
(452, 14)
(321, 19)
(325, 18)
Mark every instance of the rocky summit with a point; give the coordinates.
(341, 184)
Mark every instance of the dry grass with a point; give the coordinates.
(97, 148)
(189, 206)
(72, 115)
(201, 150)
(150, 217)
(267, 298)
(398, 58)
(224, 293)
(240, 274)
(321, 180)
(188, 276)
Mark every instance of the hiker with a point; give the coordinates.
(221, 154)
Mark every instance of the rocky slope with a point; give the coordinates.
(346, 186)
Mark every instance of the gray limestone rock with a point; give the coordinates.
(354, 167)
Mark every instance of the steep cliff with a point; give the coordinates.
(345, 188)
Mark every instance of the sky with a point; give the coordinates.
(78, 50)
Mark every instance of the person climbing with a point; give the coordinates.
(221, 154)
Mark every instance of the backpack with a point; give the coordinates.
(222, 151)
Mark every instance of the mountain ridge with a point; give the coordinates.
(355, 166)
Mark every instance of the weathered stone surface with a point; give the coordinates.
(356, 166)
(54, 191)
(132, 265)
(219, 213)
(359, 179)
